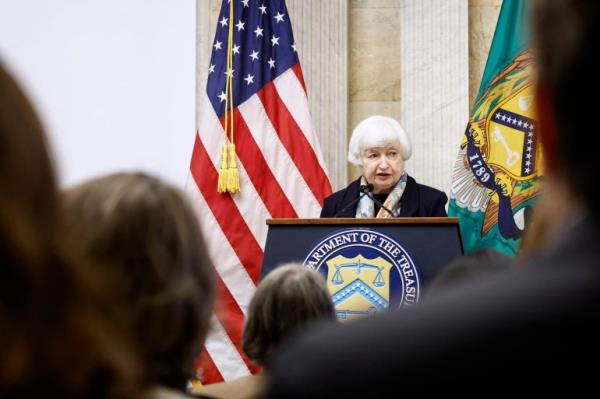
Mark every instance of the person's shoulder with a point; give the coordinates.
(353, 186)
(339, 195)
(428, 191)
(335, 197)
(336, 201)
(432, 201)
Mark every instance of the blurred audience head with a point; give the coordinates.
(54, 340)
(286, 301)
(553, 212)
(566, 33)
(482, 263)
(143, 236)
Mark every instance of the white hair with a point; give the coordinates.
(377, 131)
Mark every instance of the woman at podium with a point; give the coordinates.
(379, 146)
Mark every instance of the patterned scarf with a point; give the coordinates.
(366, 206)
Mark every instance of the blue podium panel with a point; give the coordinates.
(370, 265)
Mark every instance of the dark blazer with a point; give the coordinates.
(535, 328)
(418, 200)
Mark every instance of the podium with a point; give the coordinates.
(371, 265)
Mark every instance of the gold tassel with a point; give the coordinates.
(233, 185)
(223, 171)
(229, 176)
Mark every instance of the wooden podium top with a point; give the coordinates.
(355, 221)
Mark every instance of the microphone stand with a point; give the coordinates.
(379, 203)
(364, 189)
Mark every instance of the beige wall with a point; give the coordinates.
(482, 22)
(374, 62)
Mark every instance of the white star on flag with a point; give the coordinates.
(218, 45)
(249, 79)
(254, 55)
(240, 25)
(274, 41)
(258, 31)
(279, 17)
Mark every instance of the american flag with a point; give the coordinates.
(282, 172)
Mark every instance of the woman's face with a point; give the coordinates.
(382, 167)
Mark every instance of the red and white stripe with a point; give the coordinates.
(282, 174)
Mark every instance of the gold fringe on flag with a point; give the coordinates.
(223, 171)
(229, 177)
(233, 185)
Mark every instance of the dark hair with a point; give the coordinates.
(567, 33)
(144, 237)
(54, 340)
(480, 263)
(286, 301)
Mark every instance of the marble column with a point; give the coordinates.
(374, 70)
(483, 15)
(434, 85)
(321, 31)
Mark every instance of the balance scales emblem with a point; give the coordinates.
(358, 286)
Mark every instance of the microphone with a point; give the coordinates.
(364, 190)
(367, 188)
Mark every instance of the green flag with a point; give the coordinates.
(499, 167)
